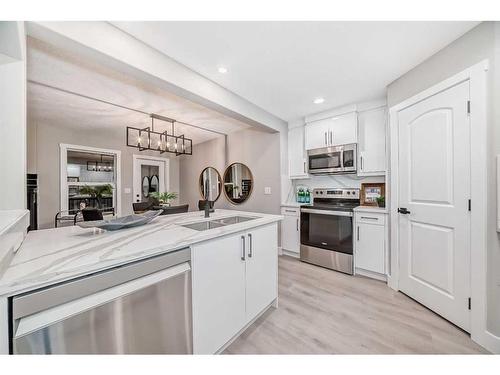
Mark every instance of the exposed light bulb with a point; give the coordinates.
(222, 69)
(319, 100)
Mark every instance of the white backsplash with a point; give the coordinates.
(330, 181)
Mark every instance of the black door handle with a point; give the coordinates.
(403, 210)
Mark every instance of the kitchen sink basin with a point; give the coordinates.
(234, 219)
(206, 225)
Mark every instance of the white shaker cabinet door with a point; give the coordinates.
(343, 129)
(262, 269)
(372, 142)
(317, 134)
(290, 234)
(218, 292)
(296, 153)
(370, 247)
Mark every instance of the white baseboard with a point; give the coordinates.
(290, 253)
(371, 274)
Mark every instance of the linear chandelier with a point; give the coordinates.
(99, 166)
(149, 139)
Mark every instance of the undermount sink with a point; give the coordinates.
(234, 219)
(206, 225)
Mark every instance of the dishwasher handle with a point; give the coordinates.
(58, 313)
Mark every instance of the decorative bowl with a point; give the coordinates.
(129, 221)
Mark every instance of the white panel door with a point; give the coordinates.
(218, 280)
(343, 129)
(317, 134)
(371, 142)
(434, 186)
(262, 269)
(370, 247)
(296, 159)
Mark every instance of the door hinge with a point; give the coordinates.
(470, 205)
(468, 107)
(469, 303)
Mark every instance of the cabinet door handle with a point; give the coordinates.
(331, 136)
(326, 140)
(358, 232)
(362, 163)
(297, 224)
(250, 252)
(243, 250)
(304, 167)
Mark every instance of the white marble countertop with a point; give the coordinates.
(372, 209)
(13, 227)
(53, 255)
(9, 218)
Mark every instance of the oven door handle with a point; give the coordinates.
(325, 212)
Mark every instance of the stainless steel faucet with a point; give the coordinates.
(207, 208)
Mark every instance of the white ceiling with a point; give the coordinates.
(283, 66)
(58, 68)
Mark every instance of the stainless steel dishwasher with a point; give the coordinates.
(139, 308)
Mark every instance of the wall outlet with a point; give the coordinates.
(267, 190)
(127, 190)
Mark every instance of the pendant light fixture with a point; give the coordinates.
(99, 166)
(149, 139)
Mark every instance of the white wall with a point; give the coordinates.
(482, 42)
(13, 117)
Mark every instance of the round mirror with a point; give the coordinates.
(154, 184)
(210, 184)
(145, 186)
(238, 183)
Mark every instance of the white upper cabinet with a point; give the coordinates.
(372, 142)
(297, 162)
(344, 129)
(316, 134)
(333, 131)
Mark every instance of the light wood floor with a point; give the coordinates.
(326, 312)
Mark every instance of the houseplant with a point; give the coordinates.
(381, 201)
(164, 198)
(98, 192)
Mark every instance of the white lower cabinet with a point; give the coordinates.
(370, 245)
(290, 231)
(233, 278)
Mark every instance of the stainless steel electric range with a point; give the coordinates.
(326, 236)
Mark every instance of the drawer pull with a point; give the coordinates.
(370, 218)
(291, 211)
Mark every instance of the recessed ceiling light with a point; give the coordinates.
(222, 69)
(319, 100)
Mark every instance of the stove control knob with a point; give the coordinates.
(348, 192)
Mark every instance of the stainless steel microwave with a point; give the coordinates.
(333, 160)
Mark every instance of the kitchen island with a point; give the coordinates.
(234, 266)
